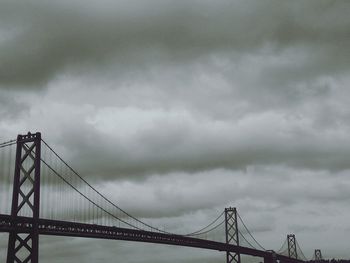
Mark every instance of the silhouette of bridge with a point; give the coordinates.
(41, 194)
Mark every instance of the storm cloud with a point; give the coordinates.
(41, 40)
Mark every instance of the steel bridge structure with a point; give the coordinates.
(25, 221)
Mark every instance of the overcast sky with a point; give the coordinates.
(182, 108)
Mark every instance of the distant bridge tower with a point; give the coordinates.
(231, 232)
(23, 245)
(292, 246)
(318, 255)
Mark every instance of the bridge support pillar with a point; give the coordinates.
(292, 246)
(231, 232)
(24, 246)
(318, 255)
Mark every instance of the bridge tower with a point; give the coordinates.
(318, 255)
(292, 246)
(231, 232)
(24, 246)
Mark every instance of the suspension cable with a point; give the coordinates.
(301, 251)
(114, 205)
(209, 225)
(239, 232)
(9, 141)
(205, 232)
(87, 198)
(250, 233)
(106, 199)
(284, 243)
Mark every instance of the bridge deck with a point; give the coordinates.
(64, 228)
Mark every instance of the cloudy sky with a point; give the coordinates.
(182, 108)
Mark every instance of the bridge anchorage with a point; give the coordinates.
(27, 219)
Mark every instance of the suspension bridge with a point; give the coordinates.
(41, 194)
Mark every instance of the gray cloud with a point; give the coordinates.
(176, 110)
(46, 39)
(187, 144)
(11, 108)
(303, 228)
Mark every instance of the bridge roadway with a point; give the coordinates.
(71, 229)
